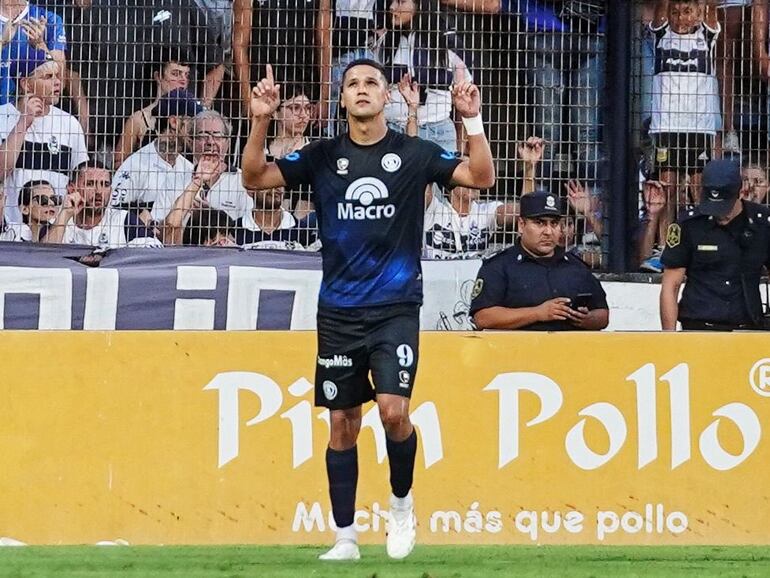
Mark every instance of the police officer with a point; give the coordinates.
(721, 247)
(535, 285)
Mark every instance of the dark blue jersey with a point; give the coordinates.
(370, 203)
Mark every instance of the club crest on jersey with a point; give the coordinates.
(361, 199)
(53, 145)
(342, 166)
(391, 162)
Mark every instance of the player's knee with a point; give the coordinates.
(394, 418)
(344, 429)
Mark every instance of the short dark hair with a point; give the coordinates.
(364, 62)
(89, 164)
(205, 225)
(25, 195)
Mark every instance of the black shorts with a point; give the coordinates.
(682, 150)
(352, 343)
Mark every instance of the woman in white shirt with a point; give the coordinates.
(420, 43)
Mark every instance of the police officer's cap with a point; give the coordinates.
(721, 186)
(541, 204)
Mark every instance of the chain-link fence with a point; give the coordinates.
(154, 93)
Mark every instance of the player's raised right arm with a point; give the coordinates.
(258, 174)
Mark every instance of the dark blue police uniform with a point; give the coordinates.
(513, 278)
(723, 262)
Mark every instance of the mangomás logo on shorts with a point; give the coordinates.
(364, 201)
(335, 361)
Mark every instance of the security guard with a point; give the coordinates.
(535, 285)
(721, 247)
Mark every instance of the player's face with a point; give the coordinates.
(94, 185)
(755, 185)
(683, 16)
(294, 115)
(540, 235)
(364, 92)
(45, 82)
(210, 138)
(174, 76)
(268, 200)
(402, 12)
(44, 204)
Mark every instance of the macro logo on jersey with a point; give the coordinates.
(363, 201)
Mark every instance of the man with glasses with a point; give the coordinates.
(39, 205)
(212, 182)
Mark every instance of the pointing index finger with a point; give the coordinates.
(270, 73)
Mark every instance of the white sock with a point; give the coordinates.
(347, 533)
(401, 503)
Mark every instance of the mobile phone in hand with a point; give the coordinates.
(582, 300)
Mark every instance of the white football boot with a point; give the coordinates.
(402, 527)
(342, 550)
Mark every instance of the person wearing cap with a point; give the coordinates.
(39, 141)
(720, 247)
(535, 285)
(143, 181)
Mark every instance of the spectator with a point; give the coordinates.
(172, 73)
(587, 208)
(760, 23)
(114, 50)
(535, 285)
(152, 177)
(278, 32)
(291, 122)
(211, 229)
(721, 249)
(755, 183)
(211, 183)
(86, 219)
(39, 140)
(563, 54)
(39, 206)
(651, 235)
(24, 28)
(270, 226)
(461, 227)
(420, 43)
(685, 109)
(734, 14)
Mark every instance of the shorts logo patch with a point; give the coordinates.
(391, 162)
(478, 287)
(403, 377)
(673, 235)
(330, 390)
(335, 361)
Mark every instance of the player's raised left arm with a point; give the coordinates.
(478, 172)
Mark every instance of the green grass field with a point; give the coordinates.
(425, 562)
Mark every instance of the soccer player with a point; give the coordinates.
(369, 193)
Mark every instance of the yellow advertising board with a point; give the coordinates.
(211, 438)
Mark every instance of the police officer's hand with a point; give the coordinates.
(265, 96)
(579, 316)
(555, 310)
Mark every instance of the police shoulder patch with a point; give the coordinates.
(673, 235)
(478, 287)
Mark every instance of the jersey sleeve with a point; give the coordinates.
(676, 254)
(441, 164)
(297, 167)
(56, 36)
(489, 288)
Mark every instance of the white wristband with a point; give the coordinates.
(473, 125)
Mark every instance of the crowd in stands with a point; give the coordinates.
(122, 121)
